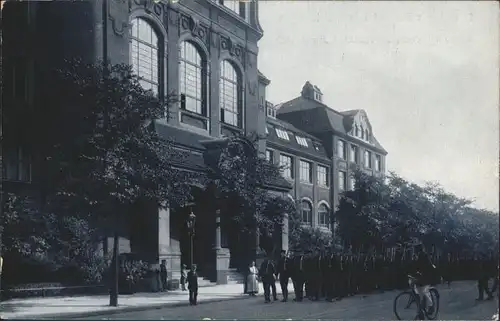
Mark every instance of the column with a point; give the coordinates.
(166, 251)
(284, 233)
(222, 255)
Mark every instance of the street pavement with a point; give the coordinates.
(457, 303)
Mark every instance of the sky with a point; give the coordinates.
(426, 73)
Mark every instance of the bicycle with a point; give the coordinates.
(411, 296)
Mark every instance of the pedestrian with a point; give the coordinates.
(298, 277)
(192, 279)
(163, 275)
(183, 277)
(283, 274)
(267, 272)
(252, 280)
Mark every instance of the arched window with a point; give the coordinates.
(144, 53)
(230, 95)
(356, 128)
(362, 132)
(306, 209)
(367, 135)
(192, 81)
(323, 216)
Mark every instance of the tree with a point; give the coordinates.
(100, 150)
(388, 212)
(238, 179)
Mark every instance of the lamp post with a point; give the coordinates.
(191, 222)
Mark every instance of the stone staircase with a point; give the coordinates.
(235, 277)
(204, 282)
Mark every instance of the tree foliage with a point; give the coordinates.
(390, 211)
(101, 150)
(239, 182)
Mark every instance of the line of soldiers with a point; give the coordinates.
(336, 276)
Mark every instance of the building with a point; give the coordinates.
(204, 50)
(347, 137)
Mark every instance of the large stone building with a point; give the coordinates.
(206, 51)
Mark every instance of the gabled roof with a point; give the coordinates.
(315, 117)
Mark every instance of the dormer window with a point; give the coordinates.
(270, 110)
(301, 141)
(318, 96)
(282, 134)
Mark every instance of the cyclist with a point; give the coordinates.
(425, 271)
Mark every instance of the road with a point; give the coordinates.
(457, 303)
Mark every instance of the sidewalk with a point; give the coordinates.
(80, 306)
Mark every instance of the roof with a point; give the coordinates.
(314, 145)
(190, 152)
(315, 117)
(263, 78)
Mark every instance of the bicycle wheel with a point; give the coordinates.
(435, 300)
(406, 306)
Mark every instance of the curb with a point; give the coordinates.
(120, 310)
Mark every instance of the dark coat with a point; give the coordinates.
(192, 279)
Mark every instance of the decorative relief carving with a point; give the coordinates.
(214, 39)
(194, 26)
(151, 6)
(233, 48)
(118, 14)
(173, 17)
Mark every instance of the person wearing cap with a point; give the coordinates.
(192, 279)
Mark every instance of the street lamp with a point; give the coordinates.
(191, 222)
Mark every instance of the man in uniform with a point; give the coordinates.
(330, 277)
(342, 277)
(267, 272)
(298, 277)
(283, 272)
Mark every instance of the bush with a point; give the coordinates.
(314, 240)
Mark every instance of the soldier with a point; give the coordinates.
(482, 277)
(342, 276)
(330, 277)
(316, 277)
(298, 277)
(267, 272)
(284, 274)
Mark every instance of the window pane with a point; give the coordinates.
(229, 95)
(144, 54)
(191, 77)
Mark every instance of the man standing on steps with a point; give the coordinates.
(267, 272)
(284, 274)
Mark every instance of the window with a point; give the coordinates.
(192, 80)
(230, 95)
(234, 5)
(306, 209)
(316, 147)
(144, 54)
(323, 217)
(356, 130)
(341, 149)
(17, 165)
(318, 96)
(305, 171)
(282, 134)
(322, 175)
(377, 163)
(301, 141)
(352, 183)
(367, 134)
(271, 112)
(269, 156)
(286, 162)
(362, 133)
(342, 181)
(368, 159)
(353, 157)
